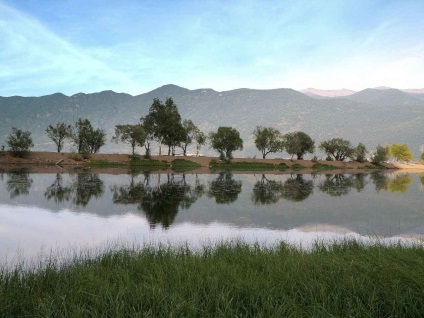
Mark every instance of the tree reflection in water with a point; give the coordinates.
(380, 181)
(297, 189)
(337, 185)
(84, 186)
(57, 191)
(162, 202)
(224, 188)
(400, 183)
(266, 191)
(18, 183)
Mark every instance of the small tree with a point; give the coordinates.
(200, 140)
(135, 135)
(268, 140)
(59, 134)
(360, 153)
(19, 142)
(339, 148)
(401, 152)
(86, 138)
(190, 132)
(96, 140)
(381, 154)
(298, 143)
(225, 141)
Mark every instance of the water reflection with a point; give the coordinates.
(266, 191)
(87, 185)
(380, 181)
(84, 186)
(400, 183)
(340, 184)
(18, 183)
(224, 188)
(57, 191)
(294, 189)
(162, 202)
(297, 189)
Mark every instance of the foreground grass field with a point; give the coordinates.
(229, 280)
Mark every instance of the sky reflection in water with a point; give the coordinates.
(49, 211)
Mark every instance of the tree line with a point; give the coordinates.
(164, 125)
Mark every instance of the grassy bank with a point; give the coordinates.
(343, 280)
(247, 166)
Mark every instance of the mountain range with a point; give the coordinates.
(371, 116)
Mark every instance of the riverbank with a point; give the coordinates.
(49, 160)
(230, 280)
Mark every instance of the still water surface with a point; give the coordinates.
(40, 212)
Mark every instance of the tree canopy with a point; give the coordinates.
(268, 140)
(339, 148)
(19, 142)
(226, 140)
(164, 123)
(135, 135)
(298, 143)
(86, 138)
(59, 134)
(401, 152)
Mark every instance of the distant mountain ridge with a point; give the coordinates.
(370, 116)
(314, 92)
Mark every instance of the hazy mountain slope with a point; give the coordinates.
(384, 97)
(284, 109)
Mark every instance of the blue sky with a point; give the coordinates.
(72, 46)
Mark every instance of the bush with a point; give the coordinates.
(19, 142)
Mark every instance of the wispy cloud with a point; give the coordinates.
(35, 60)
(74, 46)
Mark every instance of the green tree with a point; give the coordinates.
(360, 152)
(381, 154)
(298, 143)
(401, 152)
(268, 140)
(19, 142)
(135, 135)
(86, 138)
(190, 133)
(226, 140)
(339, 148)
(200, 140)
(164, 123)
(59, 134)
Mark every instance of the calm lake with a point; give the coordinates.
(42, 212)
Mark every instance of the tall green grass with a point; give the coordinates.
(229, 280)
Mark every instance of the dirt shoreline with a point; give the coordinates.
(57, 162)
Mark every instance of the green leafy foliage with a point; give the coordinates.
(164, 124)
(59, 134)
(381, 154)
(338, 148)
(268, 140)
(135, 135)
(19, 142)
(298, 143)
(86, 138)
(226, 140)
(360, 152)
(401, 152)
